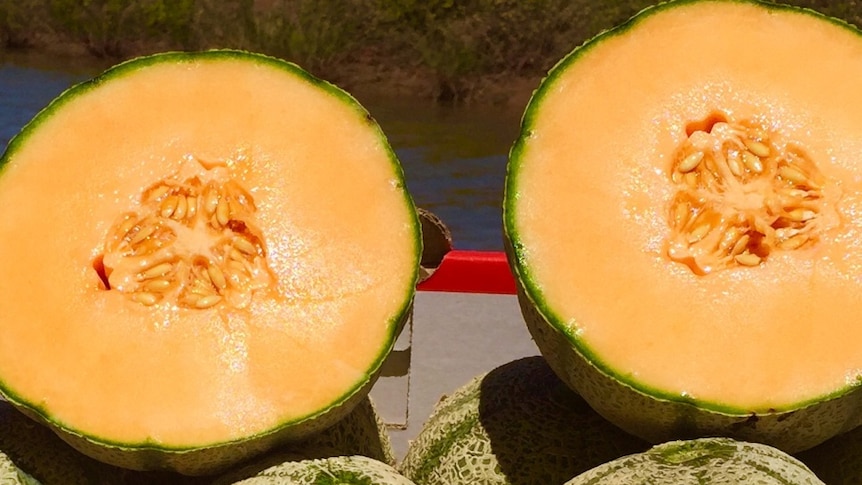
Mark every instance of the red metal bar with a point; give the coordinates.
(472, 272)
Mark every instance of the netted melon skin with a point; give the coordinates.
(518, 424)
(296, 470)
(11, 475)
(362, 432)
(701, 462)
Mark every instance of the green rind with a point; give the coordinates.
(516, 425)
(42, 454)
(298, 470)
(661, 415)
(702, 462)
(214, 457)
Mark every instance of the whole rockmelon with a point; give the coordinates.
(704, 461)
(204, 255)
(681, 215)
(515, 425)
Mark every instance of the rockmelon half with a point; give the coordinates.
(203, 254)
(682, 216)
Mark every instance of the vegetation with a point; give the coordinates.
(455, 49)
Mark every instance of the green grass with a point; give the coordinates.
(457, 46)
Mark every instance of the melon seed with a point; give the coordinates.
(720, 170)
(690, 162)
(146, 249)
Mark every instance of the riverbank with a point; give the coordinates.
(476, 51)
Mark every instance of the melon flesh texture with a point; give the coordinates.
(340, 233)
(590, 241)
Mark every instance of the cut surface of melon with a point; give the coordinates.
(265, 312)
(687, 150)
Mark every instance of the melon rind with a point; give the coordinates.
(40, 453)
(297, 470)
(647, 412)
(516, 424)
(216, 457)
(703, 461)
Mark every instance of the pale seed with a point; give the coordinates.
(202, 289)
(222, 212)
(207, 301)
(681, 214)
(729, 238)
(793, 175)
(236, 255)
(244, 245)
(794, 242)
(169, 205)
(143, 233)
(801, 215)
(217, 277)
(747, 259)
(157, 285)
(156, 271)
(192, 203)
(126, 226)
(690, 162)
(740, 245)
(752, 162)
(182, 208)
(211, 200)
(158, 192)
(735, 166)
(145, 298)
(148, 246)
(756, 147)
(786, 232)
(699, 232)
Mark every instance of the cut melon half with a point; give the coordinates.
(204, 254)
(681, 215)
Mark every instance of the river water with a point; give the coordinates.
(454, 157)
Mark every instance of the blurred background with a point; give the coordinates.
(446, 79)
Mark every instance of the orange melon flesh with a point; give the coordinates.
(338, 231)
(749, 338)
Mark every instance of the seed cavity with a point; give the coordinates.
(147, 253)
(743, 192)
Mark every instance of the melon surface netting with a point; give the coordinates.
(682, 206)
(199, 248)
